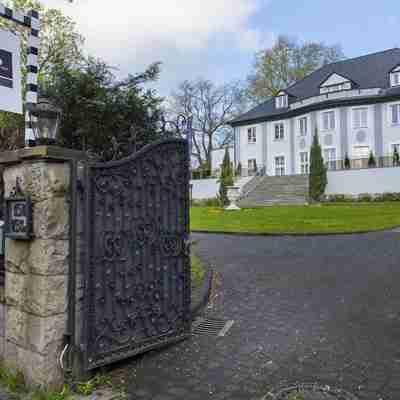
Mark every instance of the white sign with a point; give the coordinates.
(10, 73)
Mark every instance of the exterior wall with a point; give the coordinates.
(204, 188)
(217, 157)
(302, 143)
(329, 138)
(373, 181)
(250, 150)
(391, 133)
(354, 134)
(277, 148)
(379, 135)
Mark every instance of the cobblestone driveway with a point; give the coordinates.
(306, 309)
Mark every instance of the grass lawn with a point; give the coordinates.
(198, 272)
(327, 218)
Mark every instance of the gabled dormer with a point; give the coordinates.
(335, 83)
(282, 100)
(395, 76)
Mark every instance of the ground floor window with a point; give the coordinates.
(280, 166)
(304, 163)
(330, 158)
(252, 164)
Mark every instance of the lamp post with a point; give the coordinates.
(45, 118)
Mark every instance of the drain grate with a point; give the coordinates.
(211, 326)
(305, 391)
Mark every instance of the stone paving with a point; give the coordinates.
(306, 309)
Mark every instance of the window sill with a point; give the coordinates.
(278, 140)
(251, 142)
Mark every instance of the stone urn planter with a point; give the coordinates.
(233, 196)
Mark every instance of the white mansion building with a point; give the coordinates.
(354, 105)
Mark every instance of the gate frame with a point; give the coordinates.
(88, 245)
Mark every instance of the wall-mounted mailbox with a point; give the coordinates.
(18, 215)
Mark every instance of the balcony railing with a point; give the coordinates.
(362, 163)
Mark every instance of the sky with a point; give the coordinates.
(217, 39)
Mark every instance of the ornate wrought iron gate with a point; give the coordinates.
(137, 260)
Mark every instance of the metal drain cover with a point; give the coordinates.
(211, 326)
(307, 391)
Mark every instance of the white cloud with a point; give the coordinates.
(137, 32)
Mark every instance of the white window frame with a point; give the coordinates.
(391, 106)
(252, 135)
(331, 126)
(281, 167)
(254, 164)
(281, 101)
(330, 163)
(303, 132)
(392, 146)
(395, 79)
(281, 134)
(304, 164)
(360, 121)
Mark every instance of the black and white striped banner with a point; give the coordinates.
(31, 21)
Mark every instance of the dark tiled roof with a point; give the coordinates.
(367, 72)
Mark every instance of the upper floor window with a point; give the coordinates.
(252, 135)
(303, 126)
(395, 78)
(328, 120)
(395, 114)
(279, 131)
(281, 101)
(360, 118)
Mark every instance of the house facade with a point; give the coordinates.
(354, 105)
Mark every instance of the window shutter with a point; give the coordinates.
(325, 121)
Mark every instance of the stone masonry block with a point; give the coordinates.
(40, 295)
(17, 256)
(38, 369)
(40, 180)
(51, 219)
(33, 332)
(49, 257)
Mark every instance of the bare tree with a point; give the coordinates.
(211, 108)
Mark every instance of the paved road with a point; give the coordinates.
(306, 309)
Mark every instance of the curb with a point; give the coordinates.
(310, 234)
(205, 293)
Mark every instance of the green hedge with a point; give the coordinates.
(363, 198)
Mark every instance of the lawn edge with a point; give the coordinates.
(296, 234)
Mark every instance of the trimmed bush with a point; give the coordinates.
(318, 176)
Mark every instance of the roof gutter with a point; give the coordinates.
(318, 106)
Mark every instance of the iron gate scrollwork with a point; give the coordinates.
(137, 289)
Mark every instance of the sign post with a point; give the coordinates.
(10, 67)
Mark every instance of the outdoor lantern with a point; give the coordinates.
(45, 117)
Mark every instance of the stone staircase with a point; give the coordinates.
(277, 190)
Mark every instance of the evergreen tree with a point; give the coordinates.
(347, 161)
(318, 177)
(239, 169)
(396, 157)
(371, 160)
(226, 179)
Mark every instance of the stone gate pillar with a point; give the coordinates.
(37, 270)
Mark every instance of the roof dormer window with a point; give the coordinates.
(395, 77)
(281, 101)
(335, 83)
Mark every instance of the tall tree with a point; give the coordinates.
(225, 180)
(101, 115)
(285, 63)
(318, 177)
(211, 108)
